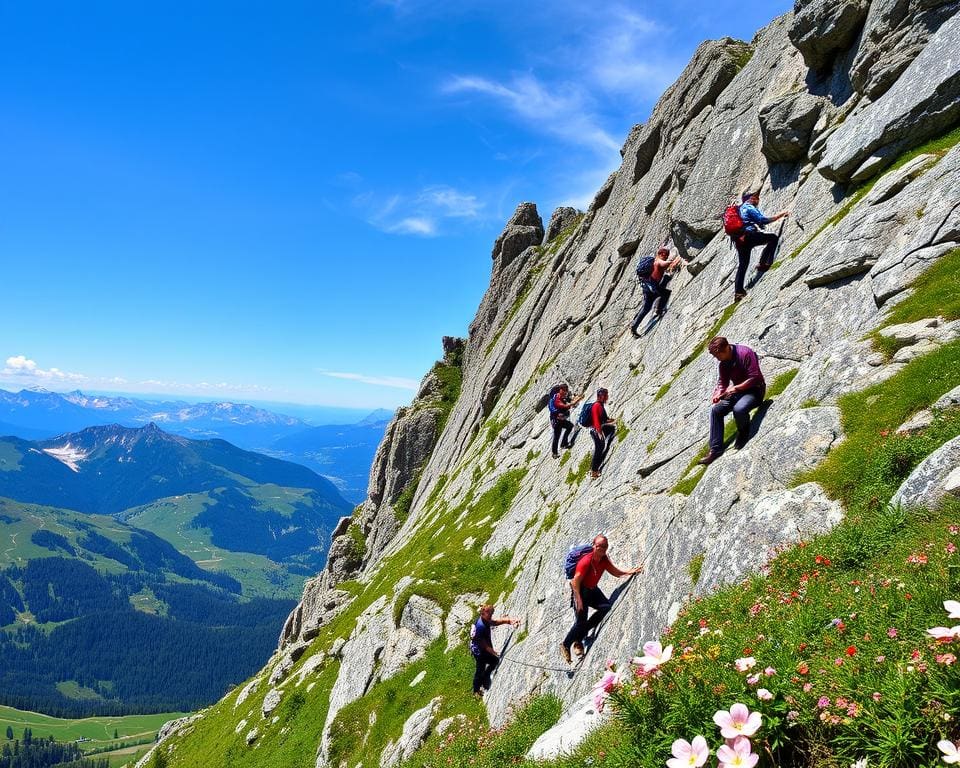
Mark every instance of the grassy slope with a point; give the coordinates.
(98, 729)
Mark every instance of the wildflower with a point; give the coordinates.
(877, 696)
(803, 668)
(917, 558)
(838, 662)
(738, 754)
(951, 548)
(823, 702)
(745, 663)
(892, 632)
(946, 658)
(739, 721)
(807, 687)
(753, 679)
(861, 763)
(953, 609)
(880, 659)
(821, 560)
(950, 752)
(689, 754)
(769, 671)
(954, 529)
(764, 695)
(851, 650)
(792, 715)
(944, 633)
(654, 655)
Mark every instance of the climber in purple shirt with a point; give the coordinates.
(740, 388)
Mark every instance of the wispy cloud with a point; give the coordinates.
(397, 382)
(21, 367)
(562, 110)
(421, 213)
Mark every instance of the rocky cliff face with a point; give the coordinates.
(814, 112)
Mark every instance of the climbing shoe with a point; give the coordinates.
(709, 458)
(741, 441)
(739, 296)
(565, 652)
(556, 455)
(578, 649)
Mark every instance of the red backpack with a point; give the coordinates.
(732, 222)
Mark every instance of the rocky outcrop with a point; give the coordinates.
(562, 218)
(936, 477)
(823, 28)
(415, 732)
(786, 126)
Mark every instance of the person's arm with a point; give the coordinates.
(722, 382)
(575, 583)
(612, 569)
(751, 215)
(750, 362)
(505, 620)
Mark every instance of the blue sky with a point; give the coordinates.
(294, 201)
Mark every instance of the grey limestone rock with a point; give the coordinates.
(421, 622)
(247, 690)
(936, 476)
(786, 125)
(415, 731)
(270, 702)
(459, 617)
(574, 726)
(561, 218)
(524, 229)
(923, 103)
(950, 400)
(286, 662)
(822, 28)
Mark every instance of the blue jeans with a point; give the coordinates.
(741, 404)
(592, 598)
(750, 241)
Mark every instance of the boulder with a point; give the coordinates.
(574, 727)
(822, 28)
(934, 478)
(415, 731)
(421, 622)
(786, 126)
(270, 702)
(923, 103)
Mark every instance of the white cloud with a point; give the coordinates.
(397, 382)
(21, 367)
(563, 111)
(420, 213)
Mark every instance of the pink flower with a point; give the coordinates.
(753, 679)
(689, 755)
(738, 754)
(739, 721)
(823, 702)
(946, 658)
(944, 633)
(654, 655)
(769, 671)
(953, 608)
(807, 687)
(950, 752)
(951, 548)
(747, 662)
(764, 695)
(892, 632)
(880, 659)
(877, 696)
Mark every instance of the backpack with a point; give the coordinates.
(645, 267)
(732, 221)
(585, 418)
(577, 551)
(550, 404)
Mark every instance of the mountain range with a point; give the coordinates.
(342, 453)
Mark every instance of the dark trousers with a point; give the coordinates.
(486, 663)
(561, 426)
(741, 404)
(592, 598)
(601, 444)
(749, 241)
(651, 293)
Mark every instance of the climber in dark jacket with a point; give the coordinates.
(740, 388)
(655, 288)
(481, 646)
(602, 430)
(560, 405)
(751, 237)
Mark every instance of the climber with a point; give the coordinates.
(740, 388)
(602, 430)
(481, 646)
(560, 405)
(653, 286)
(586, 594)
(751, 236)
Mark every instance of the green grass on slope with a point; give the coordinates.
(99, 730)
(935, 293)
(837, 625)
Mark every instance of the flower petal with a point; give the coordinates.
(953, 608)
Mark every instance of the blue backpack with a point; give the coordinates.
(585, 417)
(645, 267)
(577, 551)
(550, 404)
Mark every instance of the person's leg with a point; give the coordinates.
(557, 427)
(664, 298)
(598, 443)
(579, 629)
(478, 675)
(489, 664)
(648, 299)
(609, 432)
(743, 261)
(566, 426)
(742, 406)
(718, 412)
(601, 606)
(769, 240)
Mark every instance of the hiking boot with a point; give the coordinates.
(578, 649)
(565, 652)
(636, 335)
(761, 268)
(566, 446)
(556, 455)
(710, 458)
(594, 475)
(741, 441)
(739, 296)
